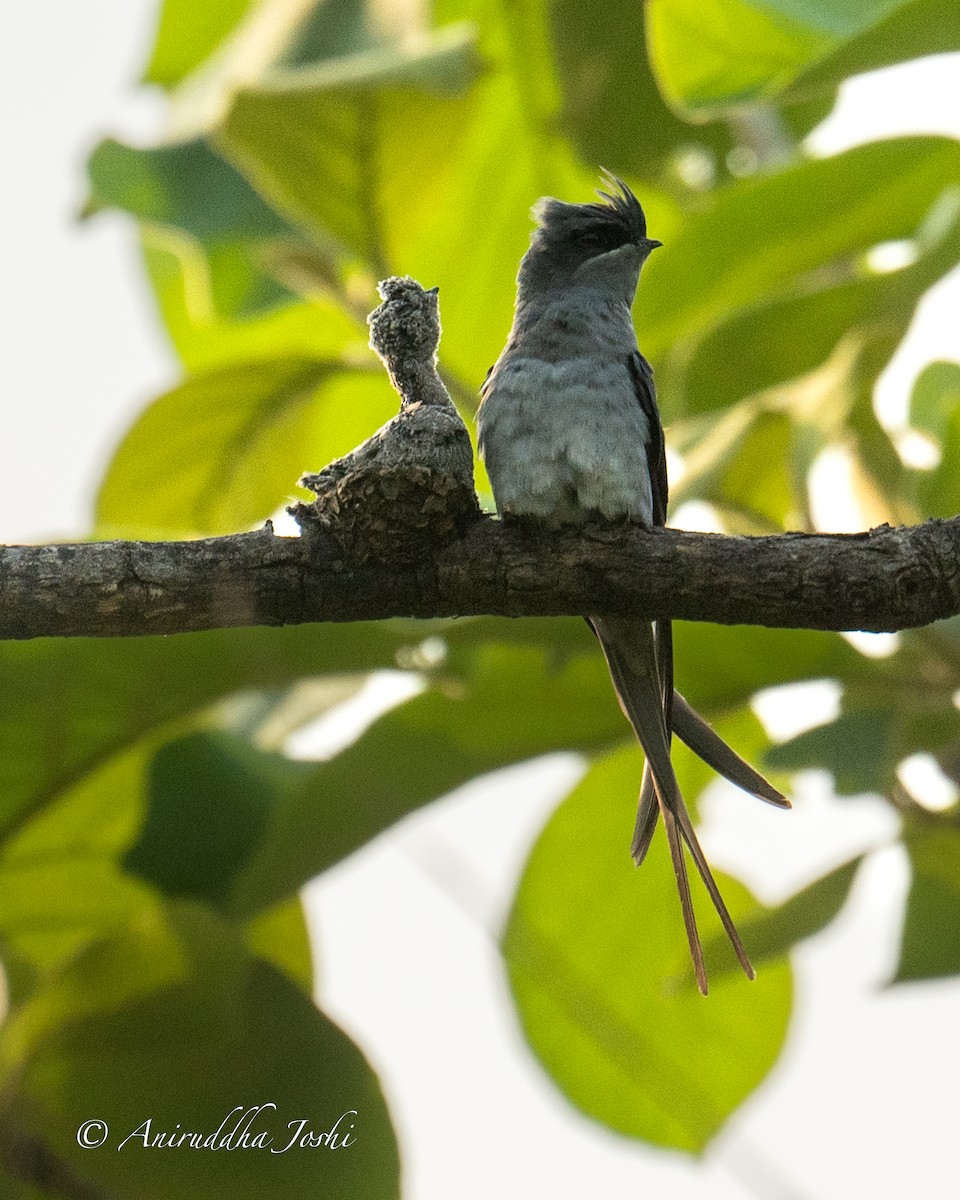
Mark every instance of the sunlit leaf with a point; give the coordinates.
(334, 122)
(54, 906)
(930, 943)
(755, 237)
(172, 186)
(62, 876)
(413, 163)
(721, 53)
(280, 936)
(911, 30)
(598, 962)
(204, 338)
(935, 411)
(187, 34)
(749, 469)
(225, 449)
(772, 933)
(787, 336)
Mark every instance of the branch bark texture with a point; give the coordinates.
(884, 580)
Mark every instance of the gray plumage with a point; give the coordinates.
(428, 431)
(570, 431)
(419, 464)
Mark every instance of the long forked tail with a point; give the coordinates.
(705, 742)
(630, 652)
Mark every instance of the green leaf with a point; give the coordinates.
(772, 933)
(187, 34)
(173, 185)
(756, 237)
(930, 944)
(345, 123)
(935, 410)
(719, 667)
(119, 967)
(61, 872)
(279, 935)
(935, 398)
(209, 799)
(790, 335)
(597, 960)
(613, 110)
(857, 748)
(390, 156)
(878, 474)
(56, 905)
(188, 187)
(612, 107)
(63, 879)
(753, 462)
(337, 28)
(214, 819)
(911, 30)
(884, 722)
(721, 53)
(749, 468)
(225, 449)
(226, 1031)
(108, 695)
(512, 707)
(204, 338)
(72, 704)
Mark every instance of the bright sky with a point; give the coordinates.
(856, 1107)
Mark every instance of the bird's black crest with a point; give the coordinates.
(614, 222)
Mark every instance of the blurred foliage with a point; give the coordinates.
(155, 831)
(614, 1015)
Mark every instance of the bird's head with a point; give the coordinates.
(601, 245)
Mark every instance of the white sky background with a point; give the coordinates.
(864, 1099)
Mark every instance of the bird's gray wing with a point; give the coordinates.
(641, 375)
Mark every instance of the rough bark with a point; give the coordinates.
(886, 579)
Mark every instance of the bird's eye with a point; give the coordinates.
(600, 240)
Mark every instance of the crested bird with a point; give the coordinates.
(570, 433)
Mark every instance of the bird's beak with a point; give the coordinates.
(651, 243)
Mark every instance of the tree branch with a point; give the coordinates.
(884, 580)
(396, 531)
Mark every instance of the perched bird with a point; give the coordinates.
(570, 432)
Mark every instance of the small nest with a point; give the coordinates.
(390, 512)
